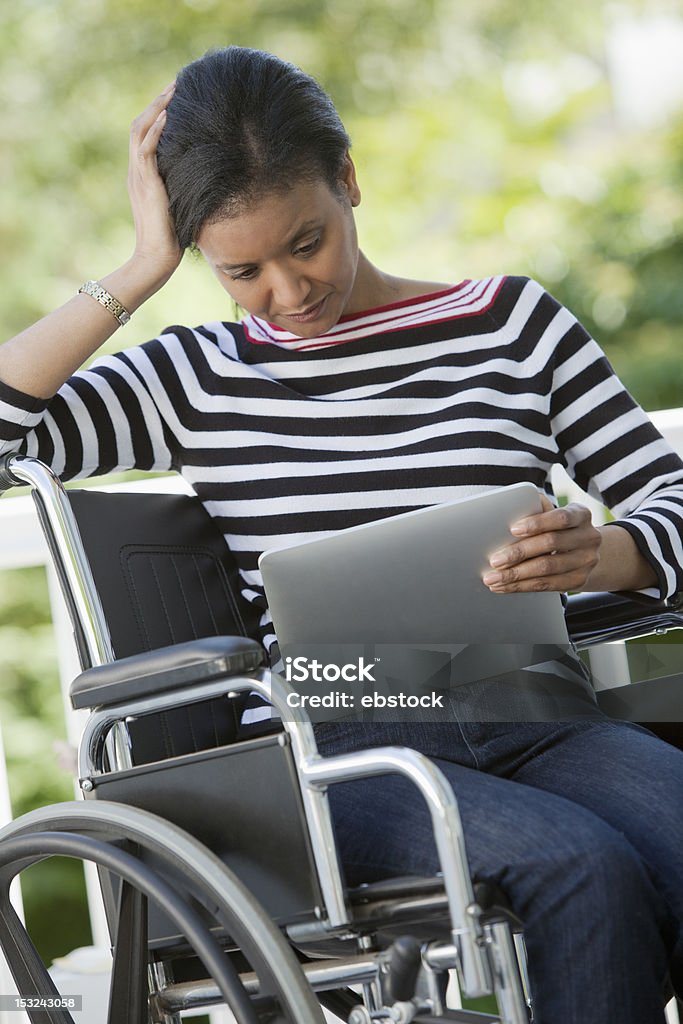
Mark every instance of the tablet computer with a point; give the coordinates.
(412, 579)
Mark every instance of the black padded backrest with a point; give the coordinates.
(162, 569)
(165, 575)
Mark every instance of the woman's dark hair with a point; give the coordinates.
(243, 124)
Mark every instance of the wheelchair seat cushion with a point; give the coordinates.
(169, 668)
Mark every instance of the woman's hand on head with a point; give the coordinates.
(557, 549)
(39, 359)
(156, 243)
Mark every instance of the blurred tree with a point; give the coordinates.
(486, 141)
(625, 285)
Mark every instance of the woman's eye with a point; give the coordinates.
(309, 248)
(244, 275)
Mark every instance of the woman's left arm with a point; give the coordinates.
(613, 451)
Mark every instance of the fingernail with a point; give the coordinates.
(518, 528)
(168, 88)
(498, 559)
(491, 577)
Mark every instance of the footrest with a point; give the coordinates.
(169, 668)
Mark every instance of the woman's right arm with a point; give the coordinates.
(40, 359)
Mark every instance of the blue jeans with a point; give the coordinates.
(579, 822)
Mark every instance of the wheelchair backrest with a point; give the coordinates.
(162, 568)
(164, 575)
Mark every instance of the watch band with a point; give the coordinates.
(101, 295)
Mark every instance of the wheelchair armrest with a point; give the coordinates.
(169, 668)
(595, 618)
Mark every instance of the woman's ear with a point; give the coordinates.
(349, 181)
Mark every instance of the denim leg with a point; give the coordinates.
(597, 929)
(634, 782)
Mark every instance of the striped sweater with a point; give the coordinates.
(484, 384)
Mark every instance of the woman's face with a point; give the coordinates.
(290, 259)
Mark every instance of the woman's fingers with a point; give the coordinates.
(145, 132)
(551, 572)
(554, 550)
(551, 519)
(150, 116)
(559, 535)
(156, 239)
(148, 144)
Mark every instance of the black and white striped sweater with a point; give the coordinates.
(485, 384)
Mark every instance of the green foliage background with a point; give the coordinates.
(465, 171)
(466, 168)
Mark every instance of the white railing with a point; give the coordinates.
(22, 545)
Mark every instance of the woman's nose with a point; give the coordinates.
(290, 291)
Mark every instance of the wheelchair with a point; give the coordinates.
(216, 853)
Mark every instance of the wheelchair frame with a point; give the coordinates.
(487, 957)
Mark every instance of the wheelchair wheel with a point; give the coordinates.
(177, 864)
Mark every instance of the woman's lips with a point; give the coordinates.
(312, 313)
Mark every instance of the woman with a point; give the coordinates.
(347, 394)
